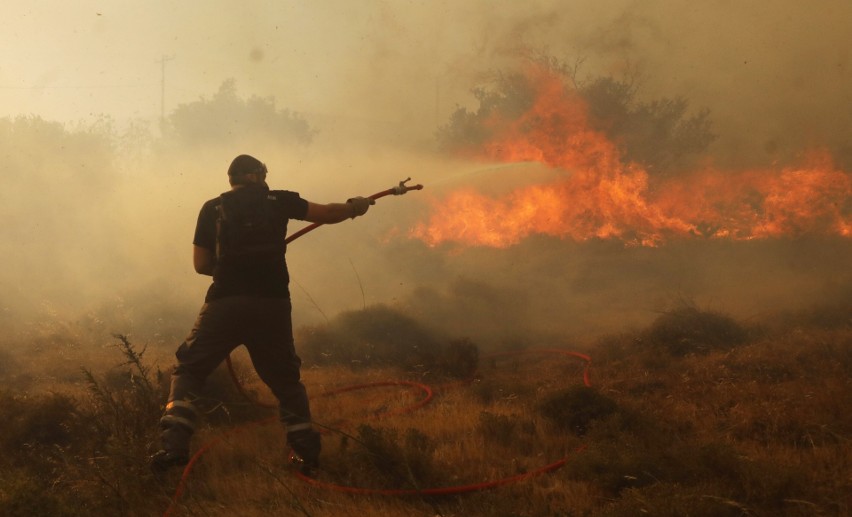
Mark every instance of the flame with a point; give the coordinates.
(810, 199)
(599, 196)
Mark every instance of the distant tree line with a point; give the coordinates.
(226, 117)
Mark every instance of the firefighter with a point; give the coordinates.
(240, 242)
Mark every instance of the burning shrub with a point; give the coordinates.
(577, 407)
(662, 134)
(688, 330)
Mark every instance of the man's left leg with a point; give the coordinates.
(273, 354)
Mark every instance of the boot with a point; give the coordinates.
(163, 460)
(306, 446)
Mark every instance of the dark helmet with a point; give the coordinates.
(245, 164)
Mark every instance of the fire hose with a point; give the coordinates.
(400, 189)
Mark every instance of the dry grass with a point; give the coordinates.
(756, 427)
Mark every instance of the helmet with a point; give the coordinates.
(245, 164)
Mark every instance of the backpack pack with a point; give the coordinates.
(248, 227)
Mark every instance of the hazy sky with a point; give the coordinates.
(777, 68)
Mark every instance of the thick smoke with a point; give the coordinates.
(99, 220)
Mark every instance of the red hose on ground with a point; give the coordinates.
(448, 490)
(475, 487)
(239, 429)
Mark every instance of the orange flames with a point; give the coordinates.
(599, 196)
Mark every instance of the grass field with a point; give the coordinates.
(698, 414)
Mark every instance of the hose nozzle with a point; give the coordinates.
(402, 188)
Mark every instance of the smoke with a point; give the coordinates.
(98, 223)
(773, 75)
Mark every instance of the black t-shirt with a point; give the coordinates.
(267, 277)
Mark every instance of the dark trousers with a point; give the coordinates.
(264, 326)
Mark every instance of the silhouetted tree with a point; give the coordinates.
(39, 154)
(659, 134)
(226, 117)
(509, 96)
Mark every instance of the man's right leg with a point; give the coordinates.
(179, 420)
(211, 339)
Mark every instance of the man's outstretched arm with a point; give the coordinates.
(332, 213)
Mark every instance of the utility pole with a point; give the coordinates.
(162, 62)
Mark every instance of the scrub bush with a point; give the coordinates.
(576, 408)
(401, 460)
(32, 497)
(381, 336)
(688, 330)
